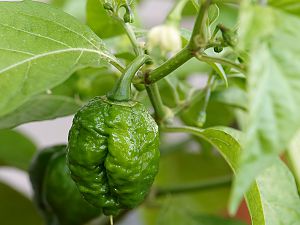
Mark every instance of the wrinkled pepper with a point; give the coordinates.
(113, 152)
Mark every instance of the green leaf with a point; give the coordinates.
(268, 205)
(40, 107)
(232, 96)
(290, 6)
(294, 157)
(213, 13)
(171, 213)
(173, 91)
(65, 99)
(267, 202)
(122, 47)
(228, 15)
(17, 209)
(87, 83)
(16, 149)
(41, 47)
(218, 68)
(273, 90)
(100, 21)
(280, 207)
(190, 9)
(185, 35)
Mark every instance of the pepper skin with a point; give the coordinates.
(56, 193)
(113, 153)
(37, 171)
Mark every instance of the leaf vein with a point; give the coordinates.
(53, 53)
(35, 34)
(61, 25)
(78, 58)
(17, 51)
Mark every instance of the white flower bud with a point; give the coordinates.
(165, 37)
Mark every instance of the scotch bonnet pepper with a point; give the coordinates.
(113, 150)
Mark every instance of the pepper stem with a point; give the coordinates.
(111, 220)
(122, 89)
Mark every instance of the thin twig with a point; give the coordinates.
(201, 186)
(117, 218)
(199, 26)
(131, 35)
(155, 98)
(206, 58)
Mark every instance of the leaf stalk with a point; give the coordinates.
(201, 186)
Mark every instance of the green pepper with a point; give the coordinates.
(37, 173)
(55, 193)
(113, 150)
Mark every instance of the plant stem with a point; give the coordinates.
(197, 96)
(202, 114)
(169, 66)
(118, 218)
(201, 186)
(196, 4)
(208, 87)
(182, 129)
(210, 59)
(117, 65)
(130, 33)
(199, 26)
(186, 53)
(155, 98)
(122, 89)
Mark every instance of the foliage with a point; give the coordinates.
(231, 85)
(16, 149)
(16, 208)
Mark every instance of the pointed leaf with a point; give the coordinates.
(273, 90)
(40, 107)
(218, 68)
(232, 96)
(213, 13)
(294, 157)
(290, 6)
(100, 21)
(17, 209)
(267, 203)
(16, 150)
(40, 47)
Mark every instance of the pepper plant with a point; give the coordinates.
(228, 86)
